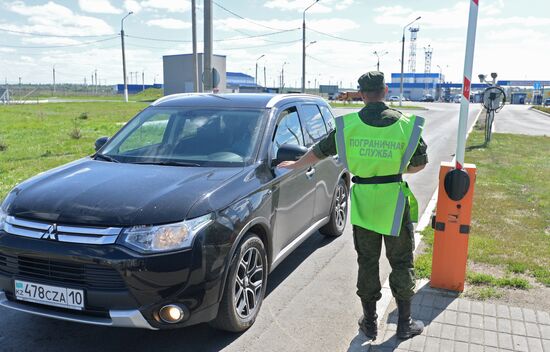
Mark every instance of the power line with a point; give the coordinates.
(216, 40)
(59, 46)
(261, 46)
(246, 19)
(342, 38)
(54, 35)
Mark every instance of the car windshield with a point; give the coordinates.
(188, 137)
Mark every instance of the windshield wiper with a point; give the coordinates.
(107, 158)
(168, 163)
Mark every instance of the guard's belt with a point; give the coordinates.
(377, 179)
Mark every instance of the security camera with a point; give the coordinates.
(481, 77)
(494, 75)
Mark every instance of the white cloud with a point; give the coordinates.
(169, 23)
(167, 5)
(52, 18)
(132, 5)
(7, 50)
(333, 25)
(98, 6)
(455, 16)
(50, 41)
(325, 6)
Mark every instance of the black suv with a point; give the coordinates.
(177, 219)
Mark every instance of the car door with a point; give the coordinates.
(326, 171)
(294, 194)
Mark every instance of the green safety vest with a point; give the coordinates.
(369, 151)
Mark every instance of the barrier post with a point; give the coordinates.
(456, 190)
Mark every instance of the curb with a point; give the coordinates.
(540, 112)
(423, 221)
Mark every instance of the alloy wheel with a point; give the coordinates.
(341, 206)
(249, 283)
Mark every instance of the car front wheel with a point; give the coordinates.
(244, 288)
(339, 211)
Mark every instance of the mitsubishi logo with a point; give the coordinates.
(51, 233)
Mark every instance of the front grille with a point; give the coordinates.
(61, 232)
(61, 273)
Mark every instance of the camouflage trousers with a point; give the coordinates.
(399, 251)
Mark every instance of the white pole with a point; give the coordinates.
(465, 102)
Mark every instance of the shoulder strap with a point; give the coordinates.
(418, 126)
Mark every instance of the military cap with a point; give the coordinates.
(372, 81)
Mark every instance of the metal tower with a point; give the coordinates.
(412, 50)
(428, 59)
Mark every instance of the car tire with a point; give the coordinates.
(244, 288)
(338, 211)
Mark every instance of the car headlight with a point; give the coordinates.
(163, 238)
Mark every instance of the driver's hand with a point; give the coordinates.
(287, 165)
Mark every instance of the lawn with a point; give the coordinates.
(511, 213)
(35, 138)
(542, 108)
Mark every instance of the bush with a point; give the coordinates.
(76, 132)
(3, 145)
(83, 116)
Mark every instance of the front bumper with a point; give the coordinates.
(122, 288)
(118, 318)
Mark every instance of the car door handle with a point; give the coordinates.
(310, 172)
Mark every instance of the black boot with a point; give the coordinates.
(367, 323)
(406, 327)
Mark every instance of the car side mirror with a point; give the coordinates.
(289, 152)
(100, 142)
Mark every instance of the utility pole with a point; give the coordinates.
(53, 71)
(142, 80)
(403, 61)
(378, 55)
(96, 81)
(304, 46)
(208, 46)
(195, 59)
(124, 57)
(265, 77)
(283, 76)
(256, 75)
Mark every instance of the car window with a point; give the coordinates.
(149, 133)
(204, 136)
(314, 125)
(288, 130)
(328, 116)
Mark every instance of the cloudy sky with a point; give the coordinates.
(81, 36)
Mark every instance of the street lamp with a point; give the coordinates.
(256, 76)
(304, 47)
(124, 56)
(403, 60)
(283, 76)
(378, 56)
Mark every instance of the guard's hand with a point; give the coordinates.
(287, 165)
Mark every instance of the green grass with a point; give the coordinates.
(484, 293)
(542, 108)
(511, 213)
(38, 137)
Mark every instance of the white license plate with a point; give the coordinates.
(50, 295)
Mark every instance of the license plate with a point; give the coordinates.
(50, 295)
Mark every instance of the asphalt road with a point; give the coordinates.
(310, 306)
(520, 119)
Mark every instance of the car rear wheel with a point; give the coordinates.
(339, 211)
(244, 288)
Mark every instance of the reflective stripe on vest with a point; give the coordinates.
(369, 151)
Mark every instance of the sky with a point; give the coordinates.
(78, 37)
